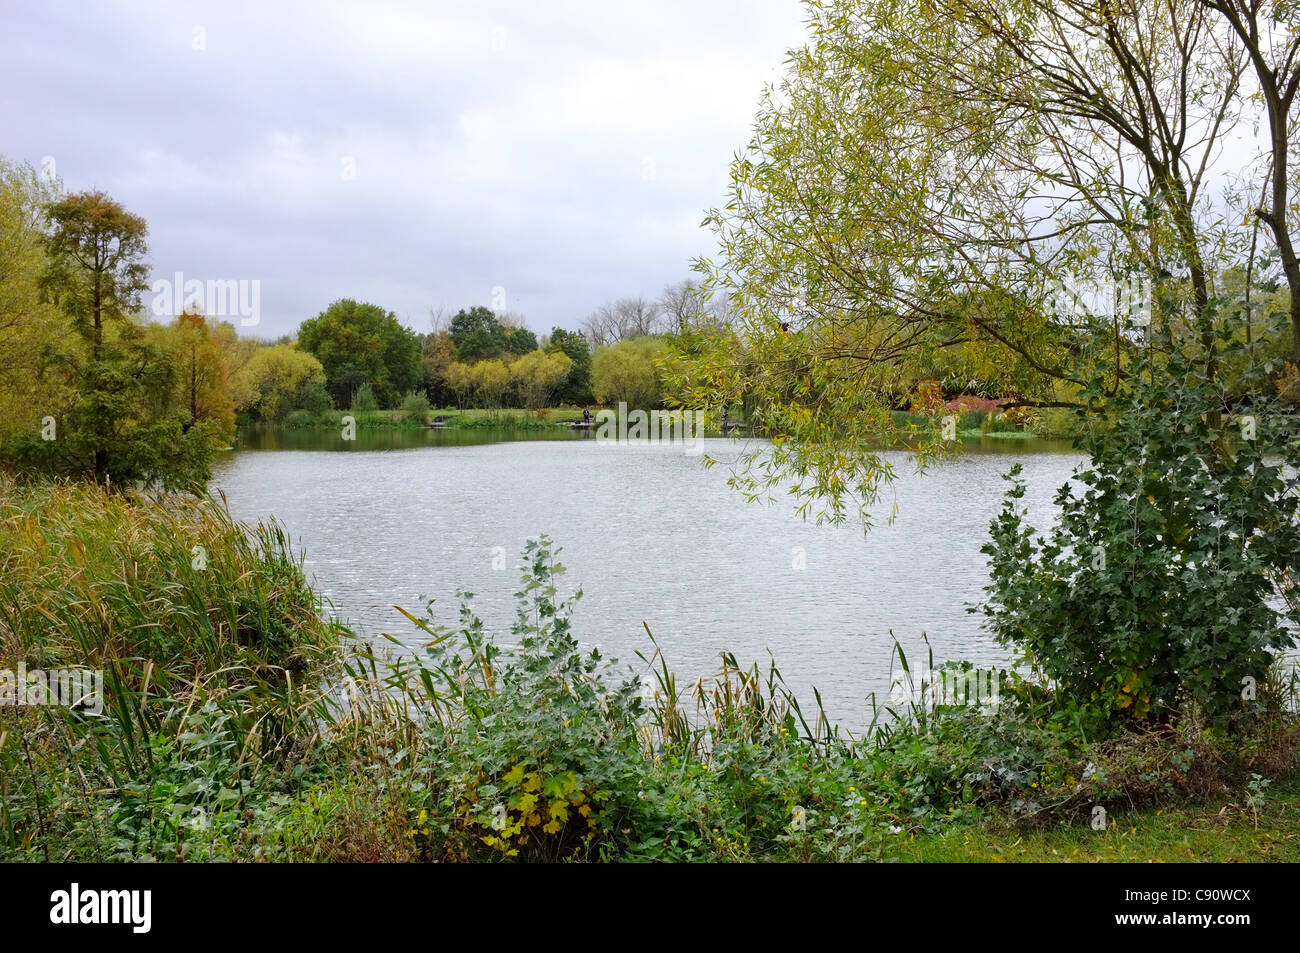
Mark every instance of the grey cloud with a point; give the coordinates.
(495, 144)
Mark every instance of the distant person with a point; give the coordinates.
(726, 411)
(586, 416)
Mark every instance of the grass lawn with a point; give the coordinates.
(999, 434)
(1224, 832)
(452, 418)
(557, 414)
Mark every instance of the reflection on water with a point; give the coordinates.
(650, 536)
(263, 438)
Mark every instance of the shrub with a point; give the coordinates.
(971, 403)
(536, 744)
(926, 398)
(315, 398)
(415, 406)
(1151, 594)
(364, 399)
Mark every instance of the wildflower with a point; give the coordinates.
(799, 819)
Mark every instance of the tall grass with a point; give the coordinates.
(208, 636)
(241, 722)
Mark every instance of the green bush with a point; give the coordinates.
(531, 759)
(315, 398)
(364, 399)
(1152, 593)
(415, 406)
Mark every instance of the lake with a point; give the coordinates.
(650, 536)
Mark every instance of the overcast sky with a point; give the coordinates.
(415, 154)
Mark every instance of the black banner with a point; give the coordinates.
(146, 903)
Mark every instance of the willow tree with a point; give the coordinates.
(29, 325)
(1023, 181)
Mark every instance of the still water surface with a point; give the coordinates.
(650, 536)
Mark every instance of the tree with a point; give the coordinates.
(120, 423)
(96, 270)
(536, 375)
(30, 326)
(236, 351)
(491, 380)
(459, 378)
(518, 339)
(576, 388)
(480, 334)
(922, 161)
(629, 371)
(202, 379)
(686, 305)
(439, 354)
(1268, 34)
(625, 318)
(361, 343)
(273, 380)
(477, 334)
